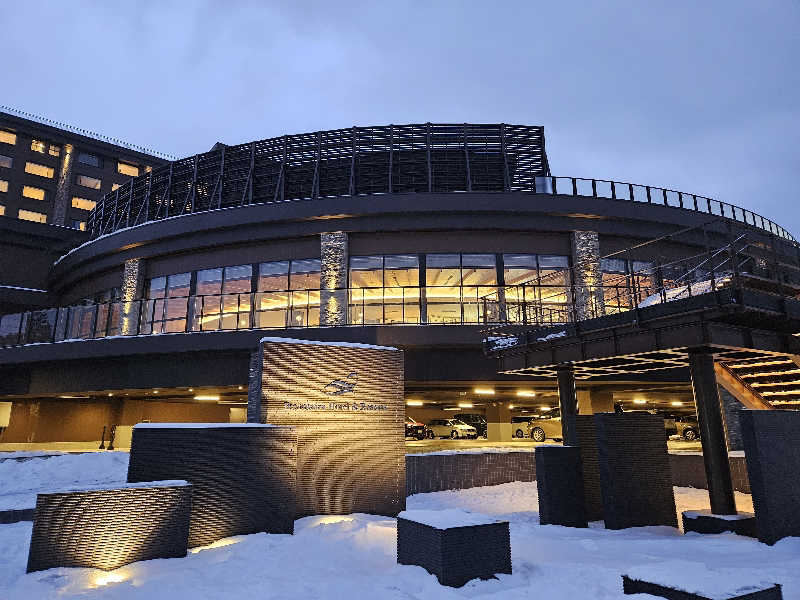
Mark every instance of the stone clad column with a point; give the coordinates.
(587, 275)
(62, 200)
(130, 292)
(568, 402)
(333, 278)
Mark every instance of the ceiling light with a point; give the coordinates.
(676, 403)
(465, 405)
(240, 387)
(110, 394)
(206, 398)
(191, 389)
(484, 391)
(510, 406)
(413, 402)
(155, 391)
(638, 401)
(452, 408)
(526, 393)
(545, 408)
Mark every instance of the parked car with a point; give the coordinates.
(545, 426)
(474, 419)
(415, 429)
(452, 428)
(687, 427)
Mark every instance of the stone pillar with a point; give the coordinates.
(595, 400)
(588, 295)
(568, 401)
(255, 413)
(333, 278)
(498, 422)
(712, 433)
(730, 413)
(62, 200)
(130, 294)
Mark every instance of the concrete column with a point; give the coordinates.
(131, 291)
(255, 371)
(498, 422)
(333, 278)
(587, 275)
(595, 400)
(712, 433)
(62, 200)
(568, 401)
(730, 412)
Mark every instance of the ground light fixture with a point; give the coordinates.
(206, 398)
(413, 402)
(484, 391)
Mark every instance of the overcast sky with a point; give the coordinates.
(702, 97)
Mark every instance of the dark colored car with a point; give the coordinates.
(476, 420)
(415, 429)
(687, 428)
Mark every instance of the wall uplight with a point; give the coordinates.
(526, 393)
(465, 405)
(484, 391)
(640, 401)
(207, 398)
(413, 402)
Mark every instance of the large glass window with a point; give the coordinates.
(3, 185)
(40, 170)
(34, 193)
(90, 159)
(166, 305)
(384, 289)
(38, 146)
(127, 169)
(305, 274)
(456, 285)
(626, 282)
(30, 215)
(222, 298)
(2, 210)
(83, 203)
(8, 137)
(288, 293)
(536, 288)
(89, 182)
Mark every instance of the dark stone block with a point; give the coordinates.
(587, 440)
(244, 476)
(705, 522)
(635, 478)
(109, 528)
(560, 484)
(436, 472)
(458, 554)
(637, 586)
(772, 450)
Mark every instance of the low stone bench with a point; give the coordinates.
(682, 580)
(704, 521)
(454, 545)
(244, 475)
(108, 527)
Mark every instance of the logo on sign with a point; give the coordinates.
(337, 387)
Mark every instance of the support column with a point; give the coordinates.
(595, 400)
(333, 278)
(568, 401)
(255, 413)
(498, 422)
(588, 293)
(62, 201)
(730, 411)
(712, 433)
(130, 293)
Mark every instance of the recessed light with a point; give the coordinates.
(203, 398)
(413, 402)
(676, 403)
(484, 391)
(465, 405)
(638, 401)
(526, 393)
(155, 391)
(110, 394)
(191, 389)
(241, 388)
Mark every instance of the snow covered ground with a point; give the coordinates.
(355, 555)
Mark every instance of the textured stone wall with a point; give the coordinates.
(730, 416)
(130, 292)
(436, 472)
(333, 278)
(587, 275)
(62, 199)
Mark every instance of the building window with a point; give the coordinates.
(384, 289)
(89, 182)
(90, 159)
(305, 274)
(34, 193)
(456, 284)
(55, 150)
(536, 288)
(165, 307)
(115, 187)
(38, 146)
(288, 293)
(223, 298)
(83, 203)
(77, 224)
(8, 137)
(6, 161)
(40, 170)
(2, 210)
(29, 215)
(127, 169)
(625, 282)
(3, 185)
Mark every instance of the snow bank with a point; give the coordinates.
(319, 343)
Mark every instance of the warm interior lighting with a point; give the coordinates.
(484, 391)
(452, 408)
(110, 394)
(218, 544)
(240, 387)
(111, 577)
(510, 407)
(331, 519)
(639, 401)
(413, 402)
(676, 403)
(465, 405)
(526, 393)
(545, 408)
(191, 389)
(206, 398)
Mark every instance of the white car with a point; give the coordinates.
(452, 428)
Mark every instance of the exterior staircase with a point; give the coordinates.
(763, 383)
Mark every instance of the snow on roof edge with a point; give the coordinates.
(284, 340)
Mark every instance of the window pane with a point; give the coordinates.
(155, 289)
(8, 137)
(33, 192)
(55, 150)
(366, 271)
(519, 268)
(237, 279)
(6, 161)
(305, 274)
(40, 170)
(89, 182)
(478, 269)
(29, 215)
(273, 276)
(2, 210)
(612, 265)
(3, 185)
(83, 203)
(178, 285)
(443, 270)
(209, 281)
(401, 271)
(89, 159)
(38, 146)
(127, 169)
